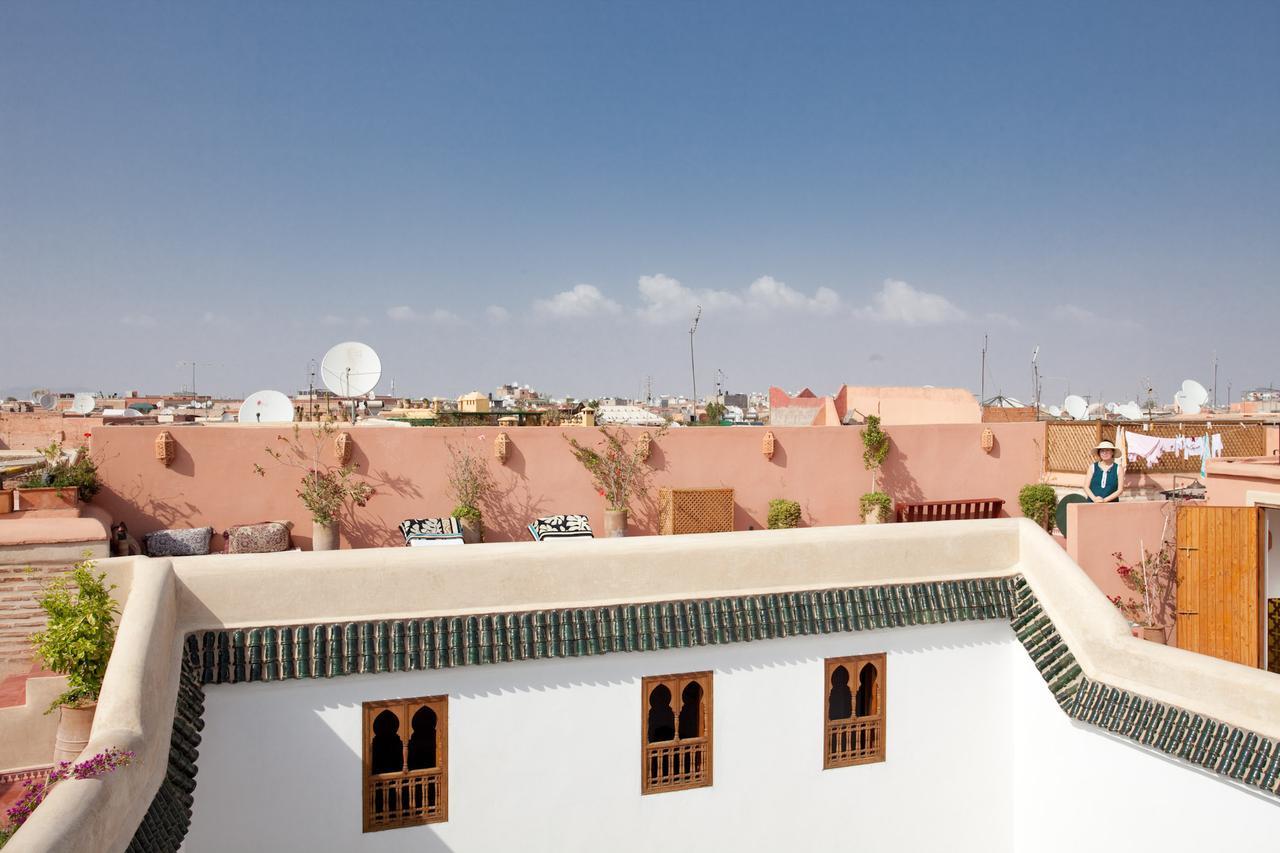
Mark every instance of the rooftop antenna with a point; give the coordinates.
(982, 394)
(1215, 379)
(312, 364)
(692, 368)
(720, 377)
(1035, 377)
(193, 365)
(350, 370)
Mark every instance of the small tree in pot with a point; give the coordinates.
(471, 484)
(1037, 501)
(77, 643)
(1154, 579)
(783, 514)
(876, 505)
(617, 469)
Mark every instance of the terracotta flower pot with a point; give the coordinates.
(74, 725)
(615, 523)
(6, 501)
(872, 517)
(324, 537)
(472, 530)
(1152, 633)
(49, 497)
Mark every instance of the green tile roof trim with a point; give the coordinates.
(168, 818)
(284, 652)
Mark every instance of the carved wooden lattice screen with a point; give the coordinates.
(855, 713)
(675, 741)
(695, 511)
(1069, 445)
(406, 745)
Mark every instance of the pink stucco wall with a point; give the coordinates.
(1095, 532)
(211, 481)
(1229, 482)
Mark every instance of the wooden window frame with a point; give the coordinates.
(404, 709)
(831, 758)
(676, 683)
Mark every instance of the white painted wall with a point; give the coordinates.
(1273, 553)
(545, 755)
(1077, 788)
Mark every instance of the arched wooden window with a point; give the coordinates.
(855, 718)
(405, 762)
(676, 739)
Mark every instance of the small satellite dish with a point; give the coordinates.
(36, 394)
(351, 369)
(1111, 408)
(1194, 393)
(1055, 411)
(83, 404)
(266, 407)
(1130, 411)
(48, 401)
(1076, 407)
(121, 413)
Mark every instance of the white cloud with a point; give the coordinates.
(436, 317)
(666, 299)
(145, 321)
(899, 302)
(768, 293)
(584, 300)
(497, 314)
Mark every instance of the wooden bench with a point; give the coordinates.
(949, 510)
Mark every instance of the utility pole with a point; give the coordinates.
(1035, 378)
(193, 365)
(982, 395)
(692, 368)
(1215, 379)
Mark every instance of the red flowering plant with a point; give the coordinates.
(617, 468)
(35, 790)
(1153, 581)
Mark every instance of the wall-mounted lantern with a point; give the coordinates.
(166, 448)
(501, 447)
(644, 445)
(988, 440)
(343, 444)
(766, 446)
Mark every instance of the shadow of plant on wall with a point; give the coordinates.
(512, 505)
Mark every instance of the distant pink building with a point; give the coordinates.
(895, 406)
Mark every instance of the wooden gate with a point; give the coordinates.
(1220, 585)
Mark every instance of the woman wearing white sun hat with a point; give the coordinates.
(1104, 480)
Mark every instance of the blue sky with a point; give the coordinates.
(486, 192)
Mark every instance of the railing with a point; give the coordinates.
(858, 740)
(405, 798)
(949, 510)
(1068, 445)
(676, 764)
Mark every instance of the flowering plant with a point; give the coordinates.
(617, 468)
(325, 489)
(1153, 580)
(469, 480)
(35, 790)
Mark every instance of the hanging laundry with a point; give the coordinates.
(1149, 448)
(1193, 448)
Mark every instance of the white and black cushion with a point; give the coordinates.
(561, 527)
(431, 531)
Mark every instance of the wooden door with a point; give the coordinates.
(1220, 591)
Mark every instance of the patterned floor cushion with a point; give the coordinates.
(188, 542)
(431, 531)
(265, 538)
(561, 527)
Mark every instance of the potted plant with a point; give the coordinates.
(324, 489)
(617, 470)
(1154, 580)
(783, 514)
(876, 506)
(471, 484)
(61, 481)
(6, 501)
(77, 642)
(1037, 501)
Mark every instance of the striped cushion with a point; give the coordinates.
(426, 531)
(561, 527)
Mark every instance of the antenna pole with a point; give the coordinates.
(693, 371)
(1215, 379)
(982, 394)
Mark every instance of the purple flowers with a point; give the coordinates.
(35, 790)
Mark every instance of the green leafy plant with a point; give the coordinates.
(877, 502)
(80, 633)
(62, 471)
(617, 468)
(324, 489)
(470, 481)
(1037, 501)
(714, 413)
(783, 514)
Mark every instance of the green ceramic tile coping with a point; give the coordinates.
(284, 652)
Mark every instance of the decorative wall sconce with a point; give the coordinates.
(766, 446)
(644, 444)
(501, 447)
(166, 448)
(988, 440)
(342, 447)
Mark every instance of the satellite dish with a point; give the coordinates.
(48, 401)
(1076, 407)
(1055, 411)
(1111, 408)
(351, 369)
(83, 404)
(121, 413)
(1194, 393)
(266, 407)
(36, 394)
(1130, 411)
